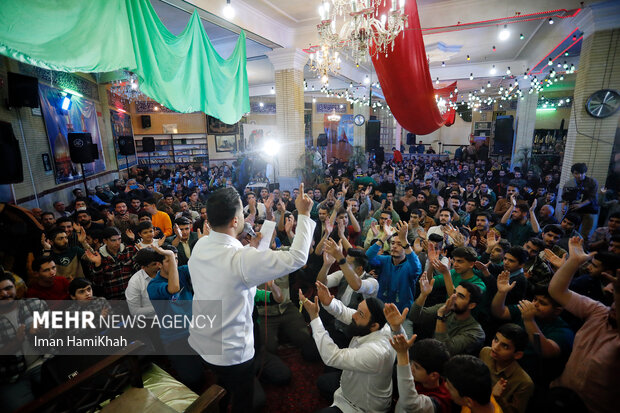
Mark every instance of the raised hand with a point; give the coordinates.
(323, 293)
(311, 307)
(93, 257)
(499, 387)
(329, 227)
(373, 227)
(426, 287)
(280, 206)
(422, 234)
(418, 245)
(206, 230)
(288, 224)
(252, 206)
(513, 200)
(303, 203)
(130, 234)
(484, 268)
(401, 344)
(534, 203)
(45, 243)
(504, 285)
(387, 228)
(333, 249)
(341, 228)
(553, 259)
(576, 252)
(493, 239)
(109, 216)
(439, 266)
(448, 306)
(328, 259)
(394, 318)
(160, 241)
(177, 231)
(528, 310)
(269, 202)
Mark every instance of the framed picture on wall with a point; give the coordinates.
(217, 127)
(225, 143)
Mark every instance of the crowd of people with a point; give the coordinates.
(426, 284)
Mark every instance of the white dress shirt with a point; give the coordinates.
(261, 211)
(222, 269)
(137, 297)
(366, 381)
(437, 230)
(369, 288)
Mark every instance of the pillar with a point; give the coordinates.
(289, 65)
(359, 133)
(590, 140)
(525, 125)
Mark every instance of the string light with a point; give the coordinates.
(505, 33)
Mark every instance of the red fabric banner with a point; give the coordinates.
(406, 81)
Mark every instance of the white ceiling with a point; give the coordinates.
(293, 24)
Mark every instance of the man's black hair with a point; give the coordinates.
(580, 168)
(144, 213)
(609, 260)
(110, 232)
(470, 377)
(359, 257)
(519, 253)
(574, 218)
(555, 228)
(169, 247)
(516, 334)
(543, 290)
(416, 211)
(475, 293)
(613, 215)
(375, 306)
(144, 226)
(431, 354)
(446, 210)
(182, 221)
(53, 233)
(149, 200)
(222, 206)
(467, 253)
(146, 256)
(484, 214)
(62, 220)
(78, 283)
(538, 243)
(36, 264)
(7, 276)
(117, 201)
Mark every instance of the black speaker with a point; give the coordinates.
(411, 138)
(373, 135)
(11, 171)
(94, 151)
(146, 121)
(23, 90)
(321, 140)
(126, 146)
(80, 145)
(148, 144)
(504, 135)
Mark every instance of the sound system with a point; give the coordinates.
(146, 121)
(94, 151)
(321, 140)
(80, 147)
(504, 135)
(23, 90)
(411, 138)
(148, 144)
(373, 135)
(11, 171)
(126, 146)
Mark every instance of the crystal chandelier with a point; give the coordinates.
(333, 117)
(324, 61)
(127, 88)
(354, 25)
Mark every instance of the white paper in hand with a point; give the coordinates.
(267, 232)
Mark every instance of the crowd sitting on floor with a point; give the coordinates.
(431, 286)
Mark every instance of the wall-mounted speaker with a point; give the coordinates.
(373, 135)
(411, 138)
(146, 121)
(126, 146)
(321, 140)
(80, 147)
(23, 90)
(94, 151)
(504, 135)
(11, 171)
(148, 144)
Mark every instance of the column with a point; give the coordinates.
(289, 85)
(525, 125)
(359, 133)
(590, 140)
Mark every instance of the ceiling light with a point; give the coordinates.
(366, 80)
(437, 81)
(488, 84)
(468, 58)
(273, 91)
(504, 34)
(494, 48)
(550, 62)
(574, 37)
(521, 36)
(471, 76)
(351, 84)
(493, 70)
(313, 100)
(550, 20)
(229, 11)
(443, 64)
(508, 70)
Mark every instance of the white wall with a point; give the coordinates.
(457, 134)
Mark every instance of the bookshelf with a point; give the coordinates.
(174, 149)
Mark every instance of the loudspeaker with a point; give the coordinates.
(126, 146)
(11, 171)
(373, 134)
(148, 144)
(80, 145)
(94, 151)
(504, 135)
(411, 138)
(23, 90)
(321, 140)
(146, 121)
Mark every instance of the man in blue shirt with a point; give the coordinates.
(398, 271)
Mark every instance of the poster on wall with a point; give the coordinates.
(256, 135)
(345, 129)
(217, 127)
(121, 126)
(339, 137)
(81, 117)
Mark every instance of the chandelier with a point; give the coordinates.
(333, 117)
(324, 61)
(127, 88)
(355, 25)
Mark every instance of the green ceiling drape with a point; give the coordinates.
(184, 72)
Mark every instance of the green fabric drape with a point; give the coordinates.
(184, 72)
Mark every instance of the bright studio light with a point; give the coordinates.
(271, 147)
(366, 80)
(229, 11)
(66, 102)
(504, 34)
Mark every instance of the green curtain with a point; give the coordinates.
(184, 72)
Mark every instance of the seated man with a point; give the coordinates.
(367, 363)
(512, 386)
(469, 382)
(593, 366)
(47, 285)
(183, 239)
(540, 318)
(453, 323)
(137, 296)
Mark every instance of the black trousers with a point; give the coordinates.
(238, 381)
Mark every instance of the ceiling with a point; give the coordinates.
(292, 23)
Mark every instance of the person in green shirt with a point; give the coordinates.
(464, 259)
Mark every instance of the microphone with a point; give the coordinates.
(247, 228)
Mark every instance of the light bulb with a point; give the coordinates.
(471, 76)
(493, 70)
(504, 34)
(508, 70)
(229, 11)
(550, 20)
(443, 64)
(521, 36)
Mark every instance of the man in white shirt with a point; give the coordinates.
(223, 270)
(261, 211)
(137, 296)
(445, 217)
(367, 364)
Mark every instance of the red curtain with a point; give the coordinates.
(445, 93)
(406, 81)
